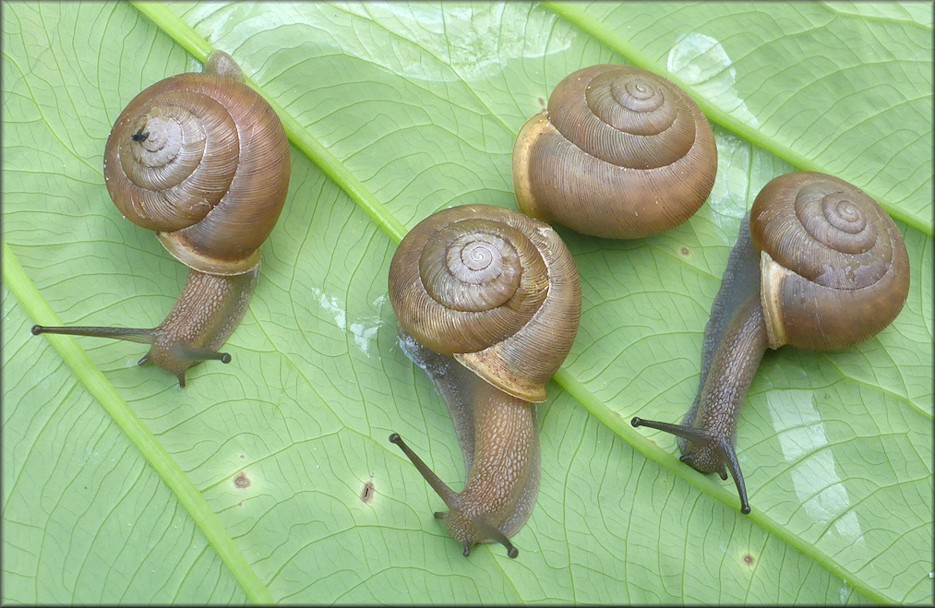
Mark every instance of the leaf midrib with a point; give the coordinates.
(101, 389)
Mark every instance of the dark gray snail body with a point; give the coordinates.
(488, 302)
(203, 160)
(819, 265)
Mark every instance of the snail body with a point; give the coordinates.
(488, 302)
(497, 431)
(620, 152)
(203, 160)
(817, 265)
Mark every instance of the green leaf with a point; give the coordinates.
(246, 486)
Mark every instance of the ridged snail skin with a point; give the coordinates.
(620, 152)
(818, 265)
(488, 302)
(203, 160)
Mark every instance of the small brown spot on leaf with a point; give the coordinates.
(367, 493)
(685, 251)
(242, 456)
(240, 504)
(242, 481)
(542, 103)
(748, 559)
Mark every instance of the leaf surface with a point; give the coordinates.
(246, 485)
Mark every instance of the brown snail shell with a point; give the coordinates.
(202, 159)
(834, 268)
(620, 152)
(493, 288)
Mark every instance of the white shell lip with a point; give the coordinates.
(772, 274)
(187, 254)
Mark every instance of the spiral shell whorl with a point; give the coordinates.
(493, 288)
(834, 266)
(625, 116)
(620, 153)
(203, 160)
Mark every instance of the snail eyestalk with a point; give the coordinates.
(138, 335)
(726, 452)
(179, 352)
(450, 498)
(199, 354)
(206, 313)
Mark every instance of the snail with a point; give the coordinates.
(819, 265)
(620, 152)
(488, 302)
(203, 160)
